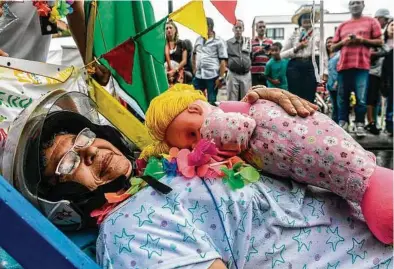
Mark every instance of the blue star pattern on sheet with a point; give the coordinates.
(384, 265)
(301, 237)
(289, 224)
(144, 216)
(252, 249)
(274, 253)
(334, 266)
(258, 216)
(210, 181)
(317, 207)
(198, 212)
(114, 217)
(334, 238)
(123, 241)
(225, 209)
(231, 239)
(265, 179)
(172, 202)
(187, 231)
(275, 194)
(298, 195)
(152, 246)
(207, 239)
(241, 226)
(356, 250)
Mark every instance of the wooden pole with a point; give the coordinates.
(322, 41)
(90, 32)
(170, 7)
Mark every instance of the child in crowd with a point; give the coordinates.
(332, 83)
(276, 67)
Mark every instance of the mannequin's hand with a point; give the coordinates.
(291, 103)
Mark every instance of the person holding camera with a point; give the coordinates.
(261, 46)
(303, 50)
(355, 38)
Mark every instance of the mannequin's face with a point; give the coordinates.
(184, 130)
(100, 163)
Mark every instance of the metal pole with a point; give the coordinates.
(322, 41)
(170, 7)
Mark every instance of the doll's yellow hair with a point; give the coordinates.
(162, 110)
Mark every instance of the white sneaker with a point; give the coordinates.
(360, 130)
(344, 125)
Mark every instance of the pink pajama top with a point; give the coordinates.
(312, 150)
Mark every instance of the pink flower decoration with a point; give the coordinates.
(202, 153)
(199, 162)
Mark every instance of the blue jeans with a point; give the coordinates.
(334, 102)
(352, 80)
(209, 85)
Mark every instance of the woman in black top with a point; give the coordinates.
(176, 55)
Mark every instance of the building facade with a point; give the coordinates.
(280, 28)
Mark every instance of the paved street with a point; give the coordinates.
(381, 146)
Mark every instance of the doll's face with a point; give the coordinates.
(184, 130)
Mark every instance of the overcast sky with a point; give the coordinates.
(248, 9)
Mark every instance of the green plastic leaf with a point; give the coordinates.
(250, 174)
(225, 171)
(236, 182)
(237, 166)
(133, 190)
(135, 181)
(154, 168)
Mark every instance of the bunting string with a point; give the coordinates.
(152, 39)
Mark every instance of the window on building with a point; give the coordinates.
(276, 33)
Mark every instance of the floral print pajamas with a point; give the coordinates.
(312, 150)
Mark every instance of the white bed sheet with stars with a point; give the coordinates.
(270, 224)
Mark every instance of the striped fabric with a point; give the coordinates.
(259, 59)
(357, 56)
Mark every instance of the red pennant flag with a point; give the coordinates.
(121, 58)
(227, 9)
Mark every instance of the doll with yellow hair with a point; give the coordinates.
(312, 150)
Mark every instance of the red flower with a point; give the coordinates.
(42, 8)
(344, 155)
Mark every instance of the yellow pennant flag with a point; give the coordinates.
(192, 16)
(119, 116)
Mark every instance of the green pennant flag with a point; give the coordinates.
(153, 40)
(117, 21)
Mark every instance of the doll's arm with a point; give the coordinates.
(231, 132)
(235, 106)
